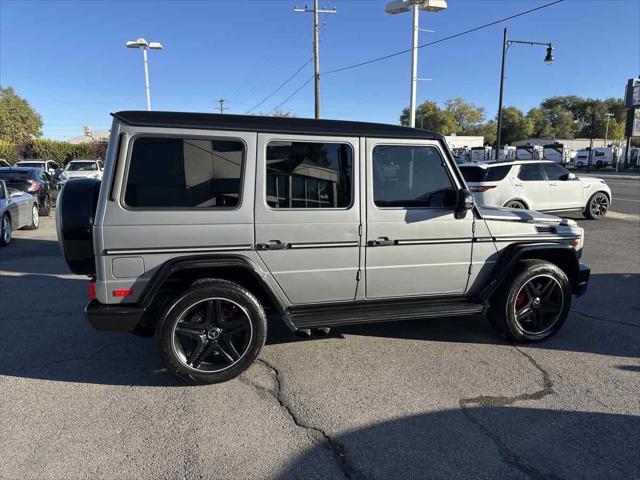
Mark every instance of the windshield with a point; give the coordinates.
(30, 164)
(82, 166)
(19, 176)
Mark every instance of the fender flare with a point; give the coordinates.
(180, 264)
(513, 253)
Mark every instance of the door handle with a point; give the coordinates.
(553, 184)
(381, 242)
(518, 184)
(271, 245)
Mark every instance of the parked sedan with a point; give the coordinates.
(536, 185)
(35, 181)
(82, 169)
(17, 210)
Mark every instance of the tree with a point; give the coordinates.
(431, 117)
(487, 130)
(467, 115)
(540, 125)
(562, 122)
(18, 121)
(515, 126)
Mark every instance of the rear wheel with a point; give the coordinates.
(212, 332)
(35, 218)
(533, 303)
(5, 230)
(45, 207)
(597, 206)
(515, 204)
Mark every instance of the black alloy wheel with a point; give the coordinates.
(597, 207)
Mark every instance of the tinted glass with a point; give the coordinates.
(82, 166)
(309, 175)
(495, 174)
(30, 164)
(410, 176)
(184, 172)
(473, 174)
(530, 173)
(3, 194)
(553, 171)
(20, 176)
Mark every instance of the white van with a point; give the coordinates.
(557, 152)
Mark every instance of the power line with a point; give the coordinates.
(455, 35)
(293, 94)
(395, 54)
(281, 86)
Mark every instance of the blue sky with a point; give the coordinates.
(69, 60)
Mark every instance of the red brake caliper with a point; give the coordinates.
(521, 300)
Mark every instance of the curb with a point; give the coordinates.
(609, 176)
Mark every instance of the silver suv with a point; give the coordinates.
(205, 224)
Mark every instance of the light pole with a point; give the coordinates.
(402, 6)
(506, 43)
(144, 45)
(606, 131)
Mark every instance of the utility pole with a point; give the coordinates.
(316, 48)
(222, 107)
(606, 132)
(593, 130)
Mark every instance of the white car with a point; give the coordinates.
(82, 169)
(536, 185)
(48, 166)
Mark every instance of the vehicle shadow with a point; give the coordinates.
(486, 442)
(43, 332)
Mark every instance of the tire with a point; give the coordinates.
(212, 332)
(5, 230)
(542, 288)
(515, 204)
(45, 208)
(597, 206)
(35, 218)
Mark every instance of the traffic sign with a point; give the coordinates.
(632, 93)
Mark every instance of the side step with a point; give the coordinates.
(314, 316)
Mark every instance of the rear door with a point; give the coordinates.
(307, 215)
(532, 186)
(414, 244)
(563, 192)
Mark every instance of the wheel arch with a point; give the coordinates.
(180, 273)
(564, 256)
(518, 199)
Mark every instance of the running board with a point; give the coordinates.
(312, 316)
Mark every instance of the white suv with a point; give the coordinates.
(536, 185)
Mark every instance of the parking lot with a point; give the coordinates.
(444, 398)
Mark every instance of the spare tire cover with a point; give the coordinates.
(75, 215)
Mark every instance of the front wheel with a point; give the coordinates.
(212, 332)
(5, 230)
(597, 206)
(533, 303)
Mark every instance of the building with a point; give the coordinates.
(91, 136)
(462, 141)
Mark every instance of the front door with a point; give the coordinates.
(563, 192)
(414, 244)
(307, 215)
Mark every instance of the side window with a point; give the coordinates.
(530, 173)
(3, 193)
(554, 171)
(168, 172)
(411, 176)
(495, 174)
(309, 175)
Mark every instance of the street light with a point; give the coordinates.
(548, 59)
(144, 45)
(402, 6)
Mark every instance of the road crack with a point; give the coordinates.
(507, 455)
(336, 450)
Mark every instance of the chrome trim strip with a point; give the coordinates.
(536, 238)
(141, 251)
(298, 246)
(434, 241)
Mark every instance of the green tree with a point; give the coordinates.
(431, 117)
(562, 122)
(515, 126)
(18, 121)
(467, 115)
(487, 130)
(540, 124)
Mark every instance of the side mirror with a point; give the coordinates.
(465, 203)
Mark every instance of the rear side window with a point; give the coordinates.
(530, 173)
(166, 172)
(491, 174)
(309, 175)
(410, 176)
(20, 176)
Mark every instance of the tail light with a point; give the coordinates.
(92, 290)
(122, 292)
(481, 188)
(33, 186)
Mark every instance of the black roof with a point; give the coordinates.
(270, 124)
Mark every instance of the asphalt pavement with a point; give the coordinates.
(444, 398)
(625, 192)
